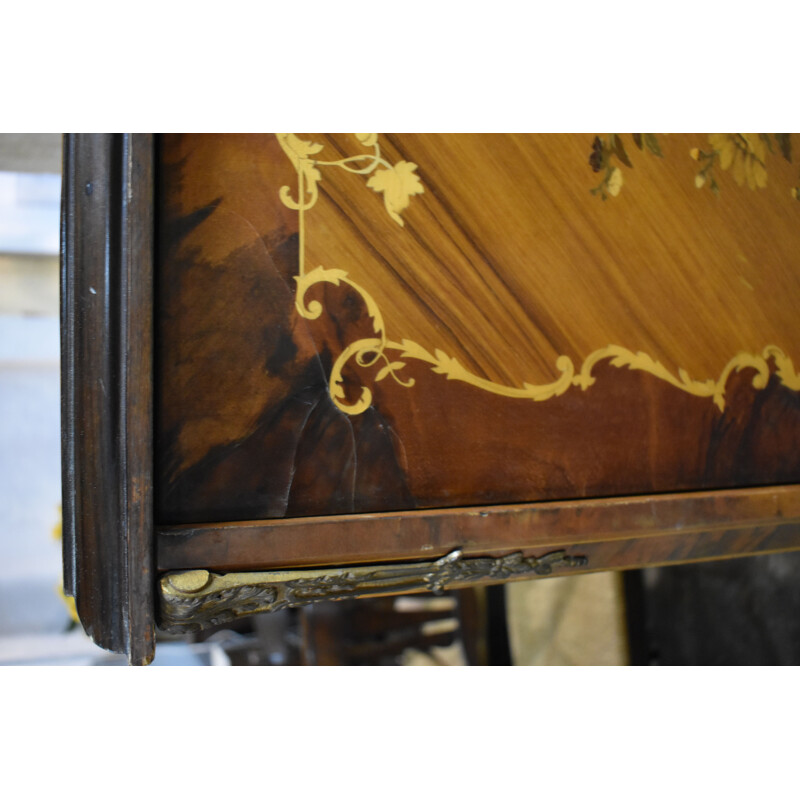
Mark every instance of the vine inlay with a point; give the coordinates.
(398, 183)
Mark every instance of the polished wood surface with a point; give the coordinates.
(628, 531)
(506, 261)
(439, 357)
(511, 276)
(107, 371)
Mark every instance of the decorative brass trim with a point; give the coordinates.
(399, 183)
(191, 601)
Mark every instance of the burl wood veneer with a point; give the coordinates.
(520, 339)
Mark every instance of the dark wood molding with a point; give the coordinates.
(626, 531)
(106, 340)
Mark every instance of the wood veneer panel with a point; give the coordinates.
(507, 264)
(625, 532)
(506, 261)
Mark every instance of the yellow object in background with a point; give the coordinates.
(69, 602)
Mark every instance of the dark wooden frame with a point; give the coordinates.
(116, 560)
(106, 374)
(613, 533)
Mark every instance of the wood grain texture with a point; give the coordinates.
(629, 531)
(107, 256)
(199, 598)
(505, 262)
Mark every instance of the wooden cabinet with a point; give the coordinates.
(304, 366)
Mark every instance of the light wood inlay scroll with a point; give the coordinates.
(399, 183)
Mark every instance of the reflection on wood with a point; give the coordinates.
(506, 272)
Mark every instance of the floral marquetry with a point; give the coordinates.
(742, 153)
(478, 351)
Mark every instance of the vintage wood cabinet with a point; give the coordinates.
(299, 367)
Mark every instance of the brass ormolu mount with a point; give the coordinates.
(191, 601)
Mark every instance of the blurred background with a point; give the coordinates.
(33, 617)
(745, 611)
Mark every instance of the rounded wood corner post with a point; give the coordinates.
(107, 251)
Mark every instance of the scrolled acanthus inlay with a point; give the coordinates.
(223, 598)
(399, 183)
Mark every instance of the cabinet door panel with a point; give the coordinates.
(360, 323)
